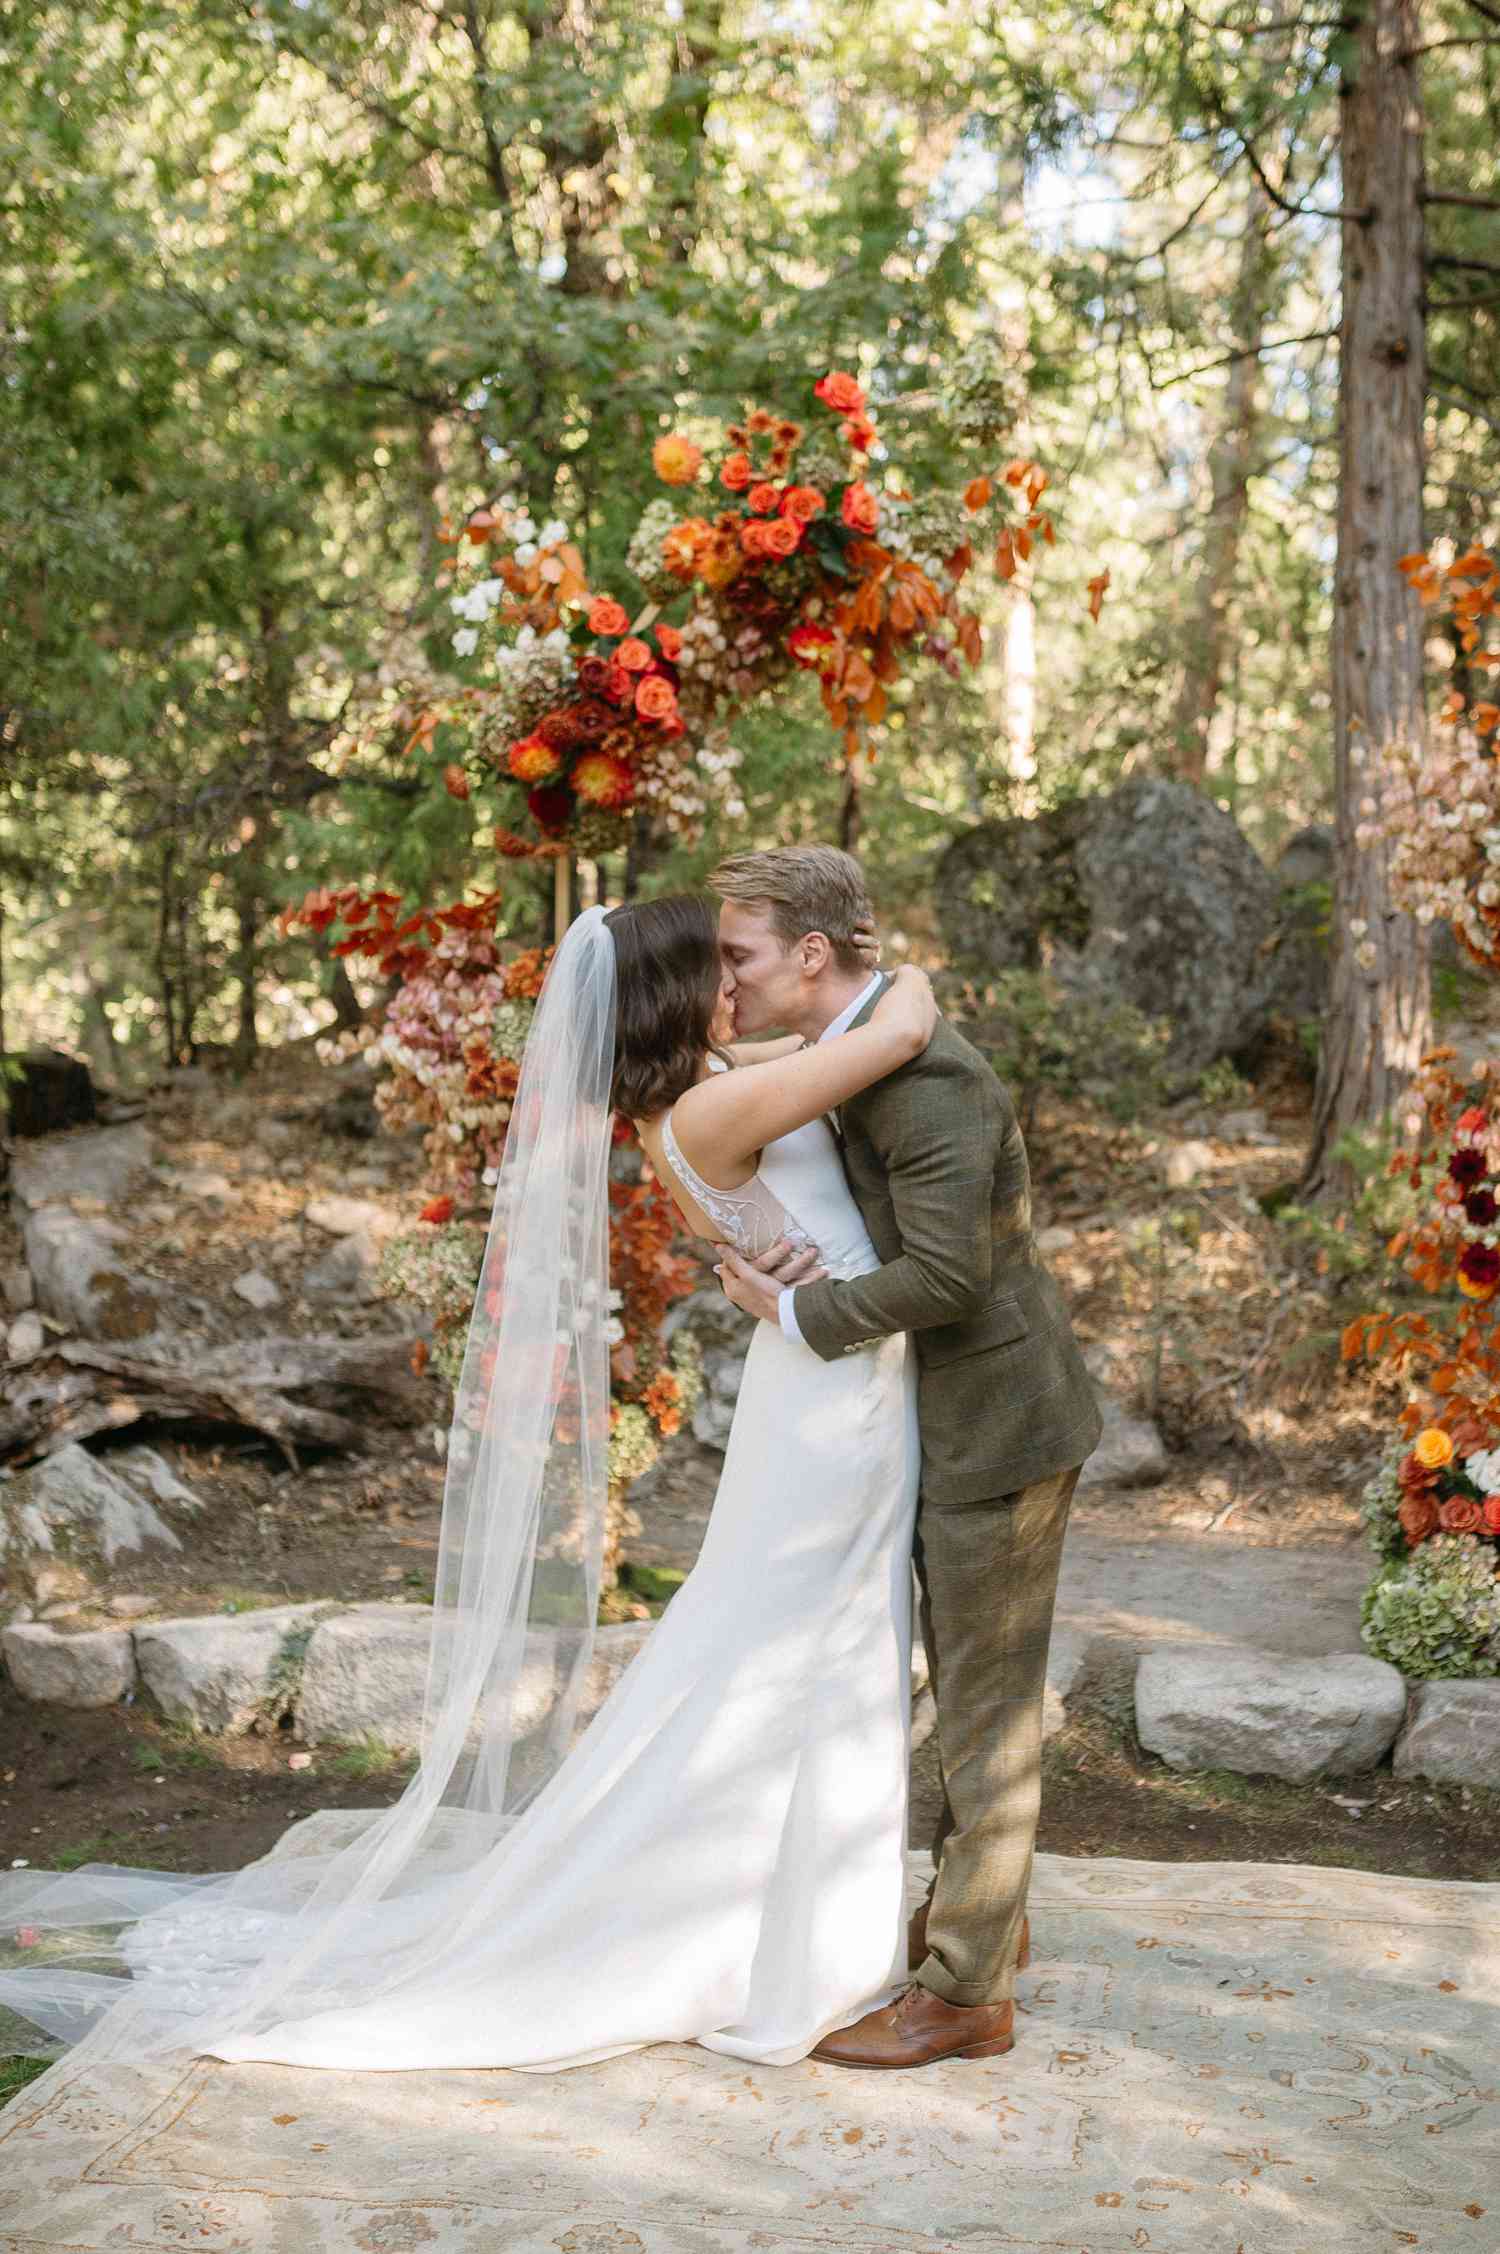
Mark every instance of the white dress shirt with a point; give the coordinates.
(840, 1024)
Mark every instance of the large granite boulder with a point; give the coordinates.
(86, 1512)
(365, 1675)
(1148, 895)
(1452, 1733)
(92, 1669)
(1263, 1713)
(223, 1671)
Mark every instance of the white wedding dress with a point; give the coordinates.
(721, 1857)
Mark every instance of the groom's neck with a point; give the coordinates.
(832, 994)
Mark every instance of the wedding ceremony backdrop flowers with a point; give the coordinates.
(447, 1049)
(782, 548)
(1432, 1512)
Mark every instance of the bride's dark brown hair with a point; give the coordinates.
(667, 980)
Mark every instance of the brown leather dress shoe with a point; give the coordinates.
(916, 1941)
(919, 2028)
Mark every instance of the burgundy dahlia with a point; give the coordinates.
(1467, 1166)
(1481, 1264)
(559, 731)
(1481, 1208)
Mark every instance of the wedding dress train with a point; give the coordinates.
(721, 1857)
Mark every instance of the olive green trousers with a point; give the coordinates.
(987, 1575)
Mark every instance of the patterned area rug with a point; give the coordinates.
(1211, 2058)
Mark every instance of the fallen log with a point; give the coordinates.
(76, 1387)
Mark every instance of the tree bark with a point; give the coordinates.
(1230, 461)
(1378, 1021)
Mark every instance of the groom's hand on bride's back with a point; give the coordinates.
(756, 1285)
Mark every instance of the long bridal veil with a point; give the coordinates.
(136, 1964)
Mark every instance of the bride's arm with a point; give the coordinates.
(721, 1122)
(762, 1052)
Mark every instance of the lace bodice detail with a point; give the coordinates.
(751, 1217)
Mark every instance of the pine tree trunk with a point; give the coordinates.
(1230, 461)
(1378, 1020)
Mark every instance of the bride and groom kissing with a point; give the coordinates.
(719, 1857)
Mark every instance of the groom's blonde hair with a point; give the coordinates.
(807, 888)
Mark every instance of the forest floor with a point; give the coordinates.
(1206, 1313)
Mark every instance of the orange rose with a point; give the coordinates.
(1460, 1515)
(634, 655)
(783, 536)
(676, 460)
(860, 509)
(606, 616)
(840, 392)
(859, 434)
(669, 642)
(736, 473)
(763, 499)
(655, 699)
(1490, 1514)
(802, 503)
(437, 1209)
(1432, 1448)
(532, 761)
(1418, 1515)
(753, 537)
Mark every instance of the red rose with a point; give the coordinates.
(550, 808)
(860, 509)
(593, 674)
(437, 1209)
(619, 686)
(859, 434)
(1418, 1515)
(840, 392)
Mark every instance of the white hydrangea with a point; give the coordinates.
(466, 641)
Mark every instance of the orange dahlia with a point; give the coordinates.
(676, 460)
(532, 761)
(603, 781)
(682, 546)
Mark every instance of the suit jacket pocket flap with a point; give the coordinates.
(995, 1325)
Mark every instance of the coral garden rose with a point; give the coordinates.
(669, 642)
(802, 503)
(860, 509)
(1418, 1515)
(676, 460)
(1460, 1514)
(1433, 1448)
(606, 616)
(635, 655)
(783, 537)
(840, 392)
(1467, 1166)
(859, 434)
(532, 761)
(618, 686)
(655, 698)
(1489, 1514)
(736, 473)
(1472, 1121)
(437, 1209)
(763, 499)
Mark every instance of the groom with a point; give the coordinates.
(937, 1166)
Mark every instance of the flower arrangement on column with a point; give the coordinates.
(448, 1052)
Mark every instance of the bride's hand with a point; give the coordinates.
(867, 939)
(908, 1005)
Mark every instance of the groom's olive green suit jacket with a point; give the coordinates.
(937, 1164)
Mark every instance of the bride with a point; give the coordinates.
(719, 1856)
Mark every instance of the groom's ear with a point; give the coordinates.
(816, 951)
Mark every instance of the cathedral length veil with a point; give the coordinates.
(138, 1964)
